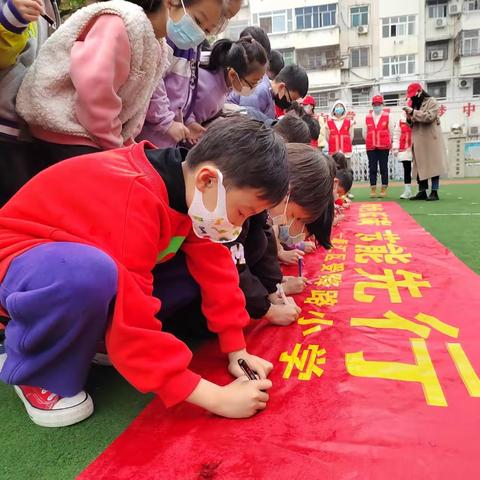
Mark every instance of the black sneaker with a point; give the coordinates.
(420, 196)
(433, 197)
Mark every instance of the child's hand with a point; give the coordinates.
(243, 398)
(290, 257)
(259, 365)
(178, 131)
(283, 314)
(240, 399)
(196, 132)
(30, 10)
(294, 285)
(309, 247)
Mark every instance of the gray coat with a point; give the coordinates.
(429, 156)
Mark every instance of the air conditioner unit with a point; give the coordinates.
(344, 63)
(463, 83)
(440, 23)
(362, 29)
(474, 131)
(436, 55)
(454, 9)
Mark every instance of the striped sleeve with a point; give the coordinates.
(11, 19)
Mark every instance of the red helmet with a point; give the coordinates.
(309, 100)
(413, 89)
(377, 99)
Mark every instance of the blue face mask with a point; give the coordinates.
(339, 111)
(377, 109)
(185, 33)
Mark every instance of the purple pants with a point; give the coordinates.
(58, 297)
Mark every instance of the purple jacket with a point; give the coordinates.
(261, 98)
(212, 92)
(174, 93)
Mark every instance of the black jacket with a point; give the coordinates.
(255, 254)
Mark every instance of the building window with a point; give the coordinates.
(398, 26)
(471, 5)
(359, 57)
(400, 65)
(288, 56)
(476, 87)
(359, 16)
(360, 95)
(470, 43)
(437, 51)
(437, 89)
(319, 58)
(316, 17)
(279, 21)
(324, 100)
(392, 99)
(437, 8)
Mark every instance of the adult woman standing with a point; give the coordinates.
(429, 159)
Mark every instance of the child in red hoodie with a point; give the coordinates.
(79, 242)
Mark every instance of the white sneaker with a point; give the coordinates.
(407, 193)
(50, 410)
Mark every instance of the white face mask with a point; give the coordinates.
(308, 108)
(282, 218)
(245, 91)
(213, 225)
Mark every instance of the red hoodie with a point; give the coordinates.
(117, 202)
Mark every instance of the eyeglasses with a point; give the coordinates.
(248, 83)
(289, 94)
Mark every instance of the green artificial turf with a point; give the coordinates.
(34, 453)
(457, 226)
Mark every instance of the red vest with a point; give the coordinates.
(405, 136)
(378, 136)
(339, 140)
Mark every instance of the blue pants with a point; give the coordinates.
(58, 296)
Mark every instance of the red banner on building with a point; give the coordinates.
(378, 379)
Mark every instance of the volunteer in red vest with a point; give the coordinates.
(339, 131)
(402, 150)
(378, 141)
(309, 105)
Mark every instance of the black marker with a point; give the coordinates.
(247, 370)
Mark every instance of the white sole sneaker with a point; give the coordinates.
(60, 417)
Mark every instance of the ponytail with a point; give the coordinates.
(244, 55)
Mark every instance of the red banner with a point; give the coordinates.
(378, 379)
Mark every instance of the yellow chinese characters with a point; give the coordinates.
(329, 280)
(318, 319)
(322, 298)
(422, 370)
(410, 281)
(307, 362)
(390, 254)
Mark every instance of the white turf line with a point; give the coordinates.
(465, 214)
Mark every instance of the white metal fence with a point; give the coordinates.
(359, 163)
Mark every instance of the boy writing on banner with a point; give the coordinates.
(76, 260)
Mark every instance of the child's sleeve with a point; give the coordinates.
(159, 114)
(223, 303)
(100, 65)
(151, 360)
(14, 34)
(234, 98)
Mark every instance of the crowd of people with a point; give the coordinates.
(152, 186)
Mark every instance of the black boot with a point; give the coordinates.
(433, 197)
(422, 195)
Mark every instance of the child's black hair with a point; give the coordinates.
(321, 229)
(311, 179)
(296, 109)
(340, 160)
(292, 129)
(249, 155)
(259, 35)
(244, 56)
(345, 179)
(295, 78)
(313, 126)
(275, 62)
